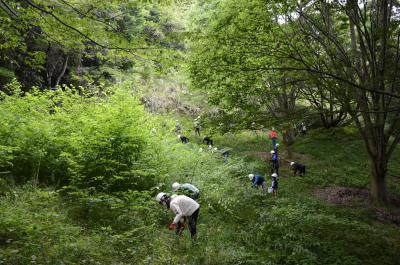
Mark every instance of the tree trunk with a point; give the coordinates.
(378, 181)
(288, 140)
(64, 68)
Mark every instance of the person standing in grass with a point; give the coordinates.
(184, 208)
(303, 128)
(274, 162)
(274, 184)
(257, 181)
(276, 147)
(272, 135)
(197, 126)
(178, 127)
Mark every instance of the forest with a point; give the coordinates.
(156, 132)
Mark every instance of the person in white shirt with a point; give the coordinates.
(184, 208)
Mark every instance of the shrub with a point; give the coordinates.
(64, 138)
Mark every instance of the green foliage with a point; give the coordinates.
(36, 229)
(64, 138)
(299, 234)
(98, 146)
(6, 76)
(237, 224)
(95, 42)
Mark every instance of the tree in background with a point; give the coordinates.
(342, 56)
(81, 42)
(227, 57)
(355, 46)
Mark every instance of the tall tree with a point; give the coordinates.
(359, 41)
(42, 40)
(343, 56)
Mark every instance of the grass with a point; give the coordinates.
(237, 224)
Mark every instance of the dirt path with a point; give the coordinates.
(359, 198)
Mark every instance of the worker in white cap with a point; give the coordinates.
(184, 208)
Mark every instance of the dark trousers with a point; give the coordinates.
(193, 221)
(192, 224)
(197, 131)
(275, 167)
(208, 141)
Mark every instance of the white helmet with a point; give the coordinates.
(272, 152)
(179, 136)
(274, 175)
(159, 196)
(276, 145)
(291, 164)
(175, 186)
(251, 176)
(273, 128)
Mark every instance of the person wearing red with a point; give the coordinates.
(272, 135)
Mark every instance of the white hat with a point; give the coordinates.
(292, 163)
(274, 175)
(179, 136)
(276, 145)
(175, 186)
(251, 176)
(273, 128)
(159, 196)
(272, 152)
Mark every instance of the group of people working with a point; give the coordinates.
(178, 128)
(183, 203)
(258, 180)
(206, 139)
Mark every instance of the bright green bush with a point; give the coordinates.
(64, 138)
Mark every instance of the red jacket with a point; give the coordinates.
(273, 134)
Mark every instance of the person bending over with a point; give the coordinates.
(207, 140)
(186, 189)
(297, 167)
(257, 181)
(184, 208)
(183, 139)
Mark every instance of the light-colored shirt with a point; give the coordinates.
(192, 189)
(182, 206)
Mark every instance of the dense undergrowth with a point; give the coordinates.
(79, 176)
